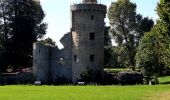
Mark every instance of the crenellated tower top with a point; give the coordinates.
(90, 1)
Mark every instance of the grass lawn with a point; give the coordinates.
(164, 80)
(159, 92)
(116, 70)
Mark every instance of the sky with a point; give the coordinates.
(58, 14)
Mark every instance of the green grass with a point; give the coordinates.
(82, 92)
(164, 80)
(137, 92)
(116, 70)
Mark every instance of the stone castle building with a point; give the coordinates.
(83, 46)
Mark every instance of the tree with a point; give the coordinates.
(107, 48)
(127, 28)
(162, 28)
(154, 49)
(48, 41)
(4, 23)
(22, 25)
(147, 56)
(107, 37)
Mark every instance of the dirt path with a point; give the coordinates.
(159, 96)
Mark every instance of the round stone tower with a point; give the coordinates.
(87, 29)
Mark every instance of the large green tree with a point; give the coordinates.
(147, 56)
(162, 28)
(154, 49)
(22, 24)
(127, 28)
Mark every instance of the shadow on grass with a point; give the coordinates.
(165, 83)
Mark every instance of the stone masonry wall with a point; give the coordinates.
(86, 19)
(50, 63)
(41, 62)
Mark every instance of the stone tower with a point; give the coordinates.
(87, 30)
(41, 66)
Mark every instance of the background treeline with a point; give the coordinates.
(141, 44)
(21, 24)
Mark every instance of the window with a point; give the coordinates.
(75, 58)
(91, 58)
(92, 36)
(61, 60)
(84, 27)
(92, 17)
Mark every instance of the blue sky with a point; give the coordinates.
(58, 14)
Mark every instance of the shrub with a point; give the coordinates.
(20, 78)
(126, 78)
(91, 76)
(109, 79)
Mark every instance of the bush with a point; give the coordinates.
(90, 76)
(20, 78)
(25, 78)
(2, 80)
(0, 60)
(129, 78)
(109, 79)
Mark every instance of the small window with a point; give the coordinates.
(92, 17)
(61, 60)
(84, 27)
(75, 58)
(91, 58)
(39, 50)
(92, 36)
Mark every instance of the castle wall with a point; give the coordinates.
(66, 54)
(41, 62)
(51, 64)
(83, 47)
(60, 65)
(87, 19)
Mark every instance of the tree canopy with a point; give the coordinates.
(48, 41)
(127, 28)
(154, 49)
(21, 24)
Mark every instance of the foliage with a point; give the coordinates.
(147, 55)
(111, 58)
(154, 49)
(127, 27)
(91, 76)
(162, 31)
(21, 25)
(48, 41)
(127, 77)
(107, 37)
(110, 55)
(107, 47)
